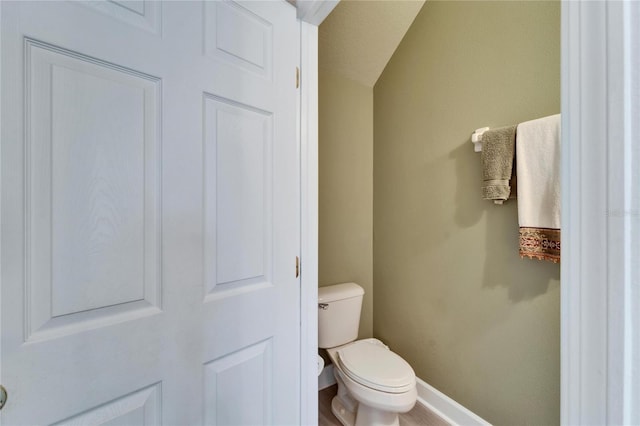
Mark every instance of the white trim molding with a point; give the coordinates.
(311, 13)
(600, 213)
(309, 222)
(315, 11)
(429, 397)
(445, 407)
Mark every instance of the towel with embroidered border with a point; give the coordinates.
(497, 163)
(538, 170)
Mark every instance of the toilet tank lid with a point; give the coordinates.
(335, 292)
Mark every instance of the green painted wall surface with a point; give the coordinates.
(346, 187)
(452, 296)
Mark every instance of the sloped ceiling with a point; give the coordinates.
(359, 37)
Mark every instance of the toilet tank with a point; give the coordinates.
(338, 314)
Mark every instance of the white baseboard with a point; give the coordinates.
(429, 397)
(445, 407)
(326, 378)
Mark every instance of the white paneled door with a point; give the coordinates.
(150, 205)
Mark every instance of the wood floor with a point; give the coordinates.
(418, 416)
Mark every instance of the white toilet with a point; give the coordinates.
(374, 384)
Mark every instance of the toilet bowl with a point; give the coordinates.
(374, 383)
(379, 384)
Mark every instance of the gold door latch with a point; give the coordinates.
(297, 77)
(3, 396)
(297, 266)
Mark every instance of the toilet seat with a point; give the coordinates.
(373, 365)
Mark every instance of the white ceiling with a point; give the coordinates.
(359, 37)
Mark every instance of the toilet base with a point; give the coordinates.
(346, 417)
(366, 416)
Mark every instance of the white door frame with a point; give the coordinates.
(311, 14)
(309, 223)
(600, 213)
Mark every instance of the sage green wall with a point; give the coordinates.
(452, 296)
(346, 187)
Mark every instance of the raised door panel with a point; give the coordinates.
(252, 51)
(140, 408)
(237, 387)
(93, 190)
(238, 188)
(144, 14)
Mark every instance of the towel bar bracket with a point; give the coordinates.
(476, 138)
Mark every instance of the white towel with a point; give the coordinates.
(538, 172)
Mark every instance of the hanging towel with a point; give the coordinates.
(497, 163)
(538, 169)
